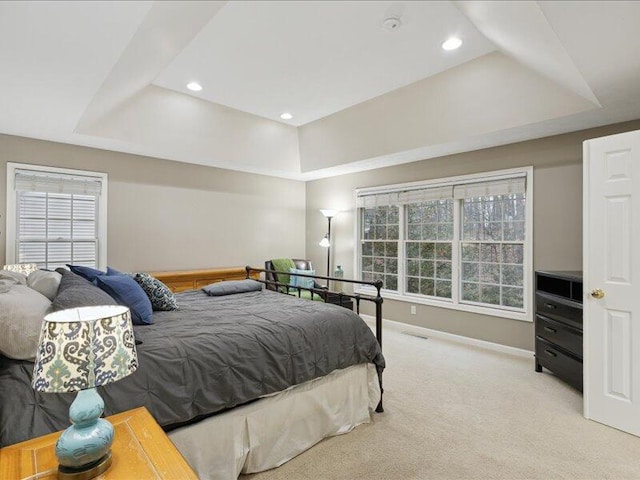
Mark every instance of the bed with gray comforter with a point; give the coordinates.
(213, 354)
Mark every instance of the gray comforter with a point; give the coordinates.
(213, 354)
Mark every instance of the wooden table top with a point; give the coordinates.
(141, 450)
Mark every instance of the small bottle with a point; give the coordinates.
(338, 273)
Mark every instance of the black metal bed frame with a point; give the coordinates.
(323, 292)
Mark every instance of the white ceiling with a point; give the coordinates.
(112, 75)
(315, 58)
(603, 40)
(53, 58)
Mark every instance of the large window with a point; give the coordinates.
(493, 242)
(380, 234)
(55, 217)
(461, 242)
(428, 248)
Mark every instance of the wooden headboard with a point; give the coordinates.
(181, 280)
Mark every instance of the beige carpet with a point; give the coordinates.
(459, 412)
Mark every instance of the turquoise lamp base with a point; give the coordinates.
(83, 449)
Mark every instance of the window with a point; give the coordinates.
(55, 216)
(493, 233)
(429, 247)
(380, 234)
(461, 242)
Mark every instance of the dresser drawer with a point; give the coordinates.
(559, 334)
(559, 309)
(564, 365)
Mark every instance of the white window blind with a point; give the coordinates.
(398, 196)
(415, 195)
(426, 194)
(45, 182)
(494, 187)
(377, 200)
(57, 219)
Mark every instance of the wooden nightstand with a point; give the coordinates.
(141, 450)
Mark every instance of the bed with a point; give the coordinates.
(242, 382)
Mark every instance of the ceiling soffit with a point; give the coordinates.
(520, 30)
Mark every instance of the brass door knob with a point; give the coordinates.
(597, 293)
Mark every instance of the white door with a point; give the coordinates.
(612, 265)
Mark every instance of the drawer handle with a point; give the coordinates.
(549, 329)
(550, 353)
(550, 305)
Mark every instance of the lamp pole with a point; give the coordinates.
(329, 250)
(326, 241)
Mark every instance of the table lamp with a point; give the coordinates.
(81, 349)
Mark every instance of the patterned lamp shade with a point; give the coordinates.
(84, 348)
(23, 268)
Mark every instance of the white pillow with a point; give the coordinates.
(7, 277)
(46, 283)
(22, 311)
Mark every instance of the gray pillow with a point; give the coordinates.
(74, 291)
(70, 280)
(231, 287)
(22, 310)
(45, 282)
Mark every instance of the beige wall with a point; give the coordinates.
(172, 125)
(557, 163)
(489, 94)
(165, 215)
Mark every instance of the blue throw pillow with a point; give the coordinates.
(87, 273)
(303, 282)
(293, 280)
(126, 291)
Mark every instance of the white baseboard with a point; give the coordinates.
(449, 336)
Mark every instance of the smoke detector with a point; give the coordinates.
(391, 23)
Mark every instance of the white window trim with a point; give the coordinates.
(12, 221)
(528, 281)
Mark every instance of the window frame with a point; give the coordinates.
(526, 314)
(12, 208)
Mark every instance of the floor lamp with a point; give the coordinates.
(326, 240)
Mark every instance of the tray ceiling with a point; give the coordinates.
(315, 58)
(113, 75)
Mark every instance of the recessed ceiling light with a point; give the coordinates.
(452, 43)
(194, 86)
(286, 116)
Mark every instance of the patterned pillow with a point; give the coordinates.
(159, 294)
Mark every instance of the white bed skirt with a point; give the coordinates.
(274, 429)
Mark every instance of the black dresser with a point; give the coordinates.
(558, 325)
